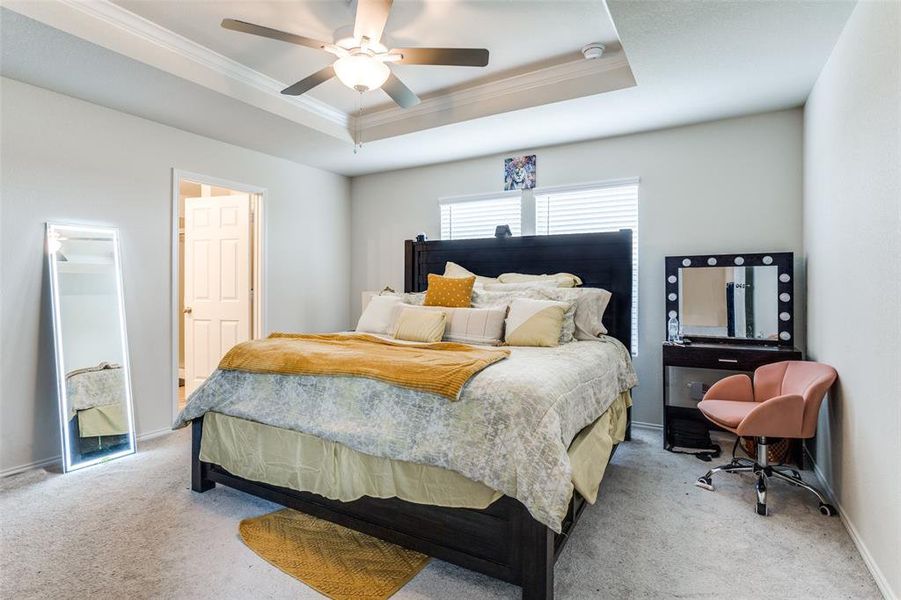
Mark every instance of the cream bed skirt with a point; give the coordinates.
(109, 419)
(303, 462)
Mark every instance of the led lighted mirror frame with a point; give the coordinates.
(56, 235)
(782, 261)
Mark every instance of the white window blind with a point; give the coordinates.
(586, 210)
(577, 209)
(478, 218)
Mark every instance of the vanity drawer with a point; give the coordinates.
(711, 356)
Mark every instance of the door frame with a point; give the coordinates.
(259, 317)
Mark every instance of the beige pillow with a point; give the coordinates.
(535, 322)
(560, 279)
(525, 285)
(420, 325)
(452, 269)
(481, 299)
(471, 325)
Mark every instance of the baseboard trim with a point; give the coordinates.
(154, 434)
(46, 462)
(646, 425)
(872, 567)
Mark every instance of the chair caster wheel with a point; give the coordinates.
(827, 510)
(761, 509)
(705, 483)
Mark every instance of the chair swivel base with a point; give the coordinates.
(765, 472)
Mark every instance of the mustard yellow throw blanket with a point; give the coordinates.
(441, 368)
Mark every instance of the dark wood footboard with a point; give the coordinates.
(501, 541)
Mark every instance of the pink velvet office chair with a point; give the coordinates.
(783, 402)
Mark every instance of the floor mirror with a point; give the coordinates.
(90, 344)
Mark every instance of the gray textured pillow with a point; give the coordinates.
(590, 304)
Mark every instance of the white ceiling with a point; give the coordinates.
(693, 61)
(519, 35)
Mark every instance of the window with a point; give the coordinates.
(606, 206)
(476, 217)
(588, 209)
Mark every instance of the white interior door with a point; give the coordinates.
(217, 313)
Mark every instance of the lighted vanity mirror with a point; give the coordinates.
(90, 344)
(735, 302)
(747, 298)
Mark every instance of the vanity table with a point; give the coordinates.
(723, 357)
(736, 310)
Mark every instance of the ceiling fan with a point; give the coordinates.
(362, 62)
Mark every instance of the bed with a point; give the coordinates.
(97, 417)
(502, 539)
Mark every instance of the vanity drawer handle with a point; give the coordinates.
(728, 360)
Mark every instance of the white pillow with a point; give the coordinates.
(559, 279)
(525, 285)
(415, 325)
(379, 314)
(483, 325)
(452, 269)
(535, 322)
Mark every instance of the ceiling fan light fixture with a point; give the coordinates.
(361, 72)
(362, 54)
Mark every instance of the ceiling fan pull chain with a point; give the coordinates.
(358, 131)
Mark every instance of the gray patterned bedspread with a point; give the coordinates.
(510, 429)
(102, 385)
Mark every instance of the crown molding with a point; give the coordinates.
(492, 90)
(107, 24)
(103, 23)
(115, 15)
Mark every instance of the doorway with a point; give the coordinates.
(217, 275)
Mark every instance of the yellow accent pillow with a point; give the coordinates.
(455, 292)
(420, 325)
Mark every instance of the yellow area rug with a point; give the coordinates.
(336, 561)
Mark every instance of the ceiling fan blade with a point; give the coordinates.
(268, 32)
(371, 18)
(462, 57)
(308, 83)
(399, 92)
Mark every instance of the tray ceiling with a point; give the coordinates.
(679, 63)
(520, 36)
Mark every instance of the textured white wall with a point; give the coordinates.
(852, 241)
(68, 160)
(732, 185)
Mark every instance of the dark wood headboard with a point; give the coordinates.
(602, 260)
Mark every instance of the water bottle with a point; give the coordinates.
(672, 329)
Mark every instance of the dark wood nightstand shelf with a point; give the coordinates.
(727, 357)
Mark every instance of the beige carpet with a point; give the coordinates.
(133, 529)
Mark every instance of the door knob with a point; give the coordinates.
(188, 310)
